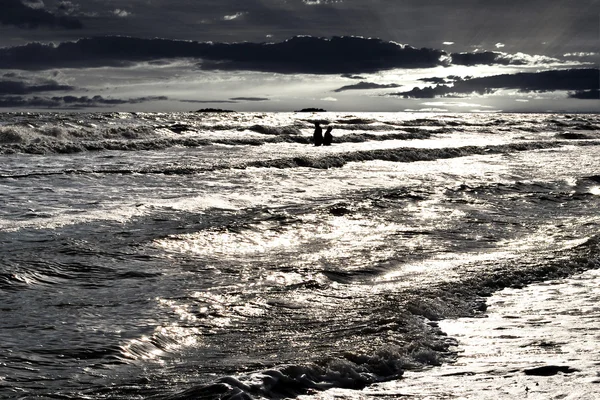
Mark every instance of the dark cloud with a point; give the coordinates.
(67, 7)
(499, 58)
(592, 94)
(366, 85)
(71, 102)
(583, 81)
(568, 79)
(250, 99)
(297, 55)
(428, 92)
(350, 76)
(325, 56)
(34, 3)
(484, 58)
(14, 12)
(20, 88)
(550, 27)
(207, 101)
(231, 100)
(438, 81)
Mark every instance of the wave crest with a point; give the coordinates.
(348, 371)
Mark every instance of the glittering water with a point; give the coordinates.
(208, 255)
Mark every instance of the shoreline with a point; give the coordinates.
(533, 343)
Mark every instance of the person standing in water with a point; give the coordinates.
(327, 139)
(318, 135)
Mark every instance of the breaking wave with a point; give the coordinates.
(355, 371)
(350, 371)
(336, 160)
(56, 140)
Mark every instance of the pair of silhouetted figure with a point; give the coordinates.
(320, 139)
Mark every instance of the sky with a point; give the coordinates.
(286, 55)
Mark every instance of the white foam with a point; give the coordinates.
(554, 323)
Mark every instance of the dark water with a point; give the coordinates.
(183, 256)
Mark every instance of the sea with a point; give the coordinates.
(221, 255)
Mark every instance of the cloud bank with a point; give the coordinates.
(14, 12)
(366, 85)
(23, 94)
(70, 102)
(592, 94)
(249, 99)
(343, 55)
(499, 58)
(302, 54)
(21, 88)
(584, 83)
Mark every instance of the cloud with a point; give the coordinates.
(14, 12)
(350, 76)
(499, 58)
(67, 7)
(250, 99)
(37, 4)
(461, 104)
(344, 55)
(233, 16)
(231, 100)
(438, 81)
(207, 101)
(21, 88)
(301, 54)
(425, 93)
(121, 13)
(366, 85)
(584, 82)
(580, 54)
(476, 58)
(70, 101)
(429, 109)
(320, 2)
(592, 94)
(338, 55)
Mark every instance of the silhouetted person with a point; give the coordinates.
(318, 135)
(327, 139)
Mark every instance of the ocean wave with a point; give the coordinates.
(15, 143)
(580, 124)
(594, 178)
(516, 274)
(349, 370)
(61, 140)
(578, 136)
(355, 120)
(416, 318)
(364, 127)
(403, 154)
(276, 130)
(18, 280)
(337, 160)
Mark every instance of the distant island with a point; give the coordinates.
(214, 110)
(311, 110)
